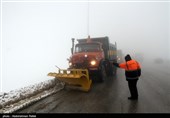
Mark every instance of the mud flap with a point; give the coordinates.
(75, 78)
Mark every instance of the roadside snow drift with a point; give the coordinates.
(17, 99)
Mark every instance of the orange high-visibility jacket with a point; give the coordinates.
(130, 65)
(132, 68)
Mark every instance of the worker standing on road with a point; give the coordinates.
(132, 73)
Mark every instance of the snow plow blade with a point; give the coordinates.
(76, 78)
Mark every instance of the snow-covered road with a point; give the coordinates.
(16, 99)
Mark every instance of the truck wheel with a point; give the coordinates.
(109, 69)
(111, 72)
(102, 74)
(114, 71)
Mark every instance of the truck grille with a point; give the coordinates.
(81, 65)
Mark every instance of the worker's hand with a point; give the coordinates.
(116, 64)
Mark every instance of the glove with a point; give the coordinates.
(116, 64)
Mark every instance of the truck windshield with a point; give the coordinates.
(87, 48)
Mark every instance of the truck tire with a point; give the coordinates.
(102, 73)
(109, 68)
(114, 71)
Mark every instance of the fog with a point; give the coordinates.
(36, 36)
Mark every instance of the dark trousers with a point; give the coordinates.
(133, 88)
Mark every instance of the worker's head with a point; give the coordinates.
(128, 58)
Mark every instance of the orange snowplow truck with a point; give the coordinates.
(91, 60)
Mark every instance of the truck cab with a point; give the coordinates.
(87, 56)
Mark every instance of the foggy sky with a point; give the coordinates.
(37, 36)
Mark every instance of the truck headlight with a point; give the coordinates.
(70, 64)
(93, 62)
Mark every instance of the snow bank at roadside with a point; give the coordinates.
(15, 96)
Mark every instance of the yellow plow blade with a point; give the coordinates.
(78, 78)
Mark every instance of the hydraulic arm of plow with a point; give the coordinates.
(74, 77)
